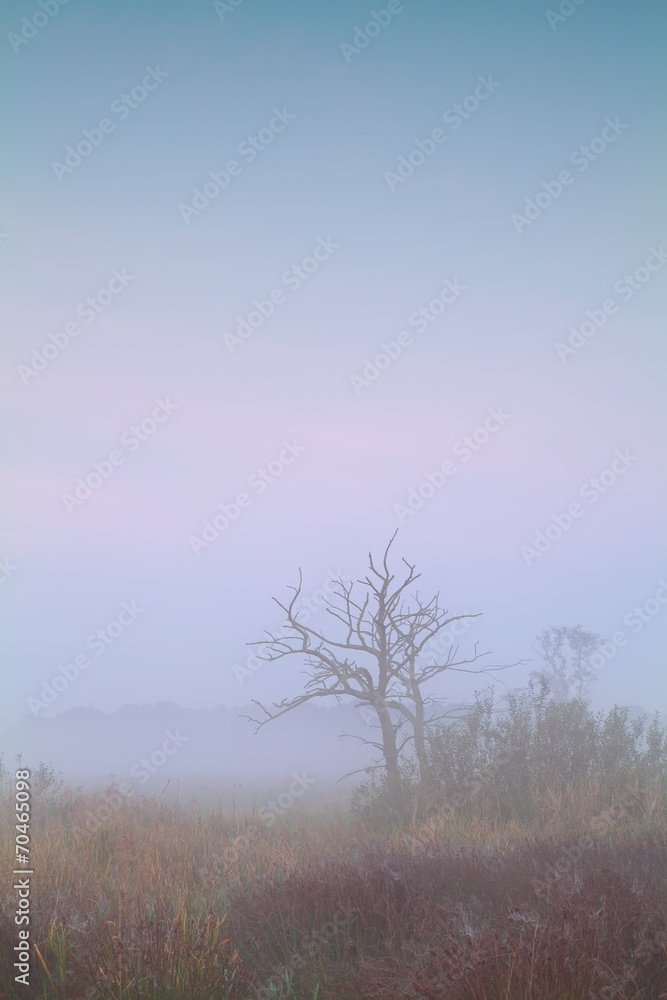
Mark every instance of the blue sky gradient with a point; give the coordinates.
(321, 180)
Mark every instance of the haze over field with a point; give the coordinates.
(334, 370)
(278, 285)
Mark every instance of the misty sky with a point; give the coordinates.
(450, 194)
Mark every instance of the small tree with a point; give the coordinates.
(566, 651)
(378, 657)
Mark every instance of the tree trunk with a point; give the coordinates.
(390, 752)
(419, 730)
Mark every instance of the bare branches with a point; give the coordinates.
(376, 654)
(566, 652)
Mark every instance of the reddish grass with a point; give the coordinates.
(163, 903)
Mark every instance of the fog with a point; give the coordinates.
(273, 294)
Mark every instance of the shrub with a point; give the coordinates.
(538, 744)
(508, 761)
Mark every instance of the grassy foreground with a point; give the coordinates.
(156, 901)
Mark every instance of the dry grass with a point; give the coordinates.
(162, 902)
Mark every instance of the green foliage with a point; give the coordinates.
(505, 760)
(514, 756)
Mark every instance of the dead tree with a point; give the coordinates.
(566, 651)
(378, 658)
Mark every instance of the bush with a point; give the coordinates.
(509, 762)
(513, 758)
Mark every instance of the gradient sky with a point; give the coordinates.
(323, 177)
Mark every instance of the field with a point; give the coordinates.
(165, 901)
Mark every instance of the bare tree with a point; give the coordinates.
(566, 651)
(379, 657)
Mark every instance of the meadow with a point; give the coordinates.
(163, 900)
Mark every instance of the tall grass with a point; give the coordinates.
(160, 901)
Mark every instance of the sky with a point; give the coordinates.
(499, 167)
